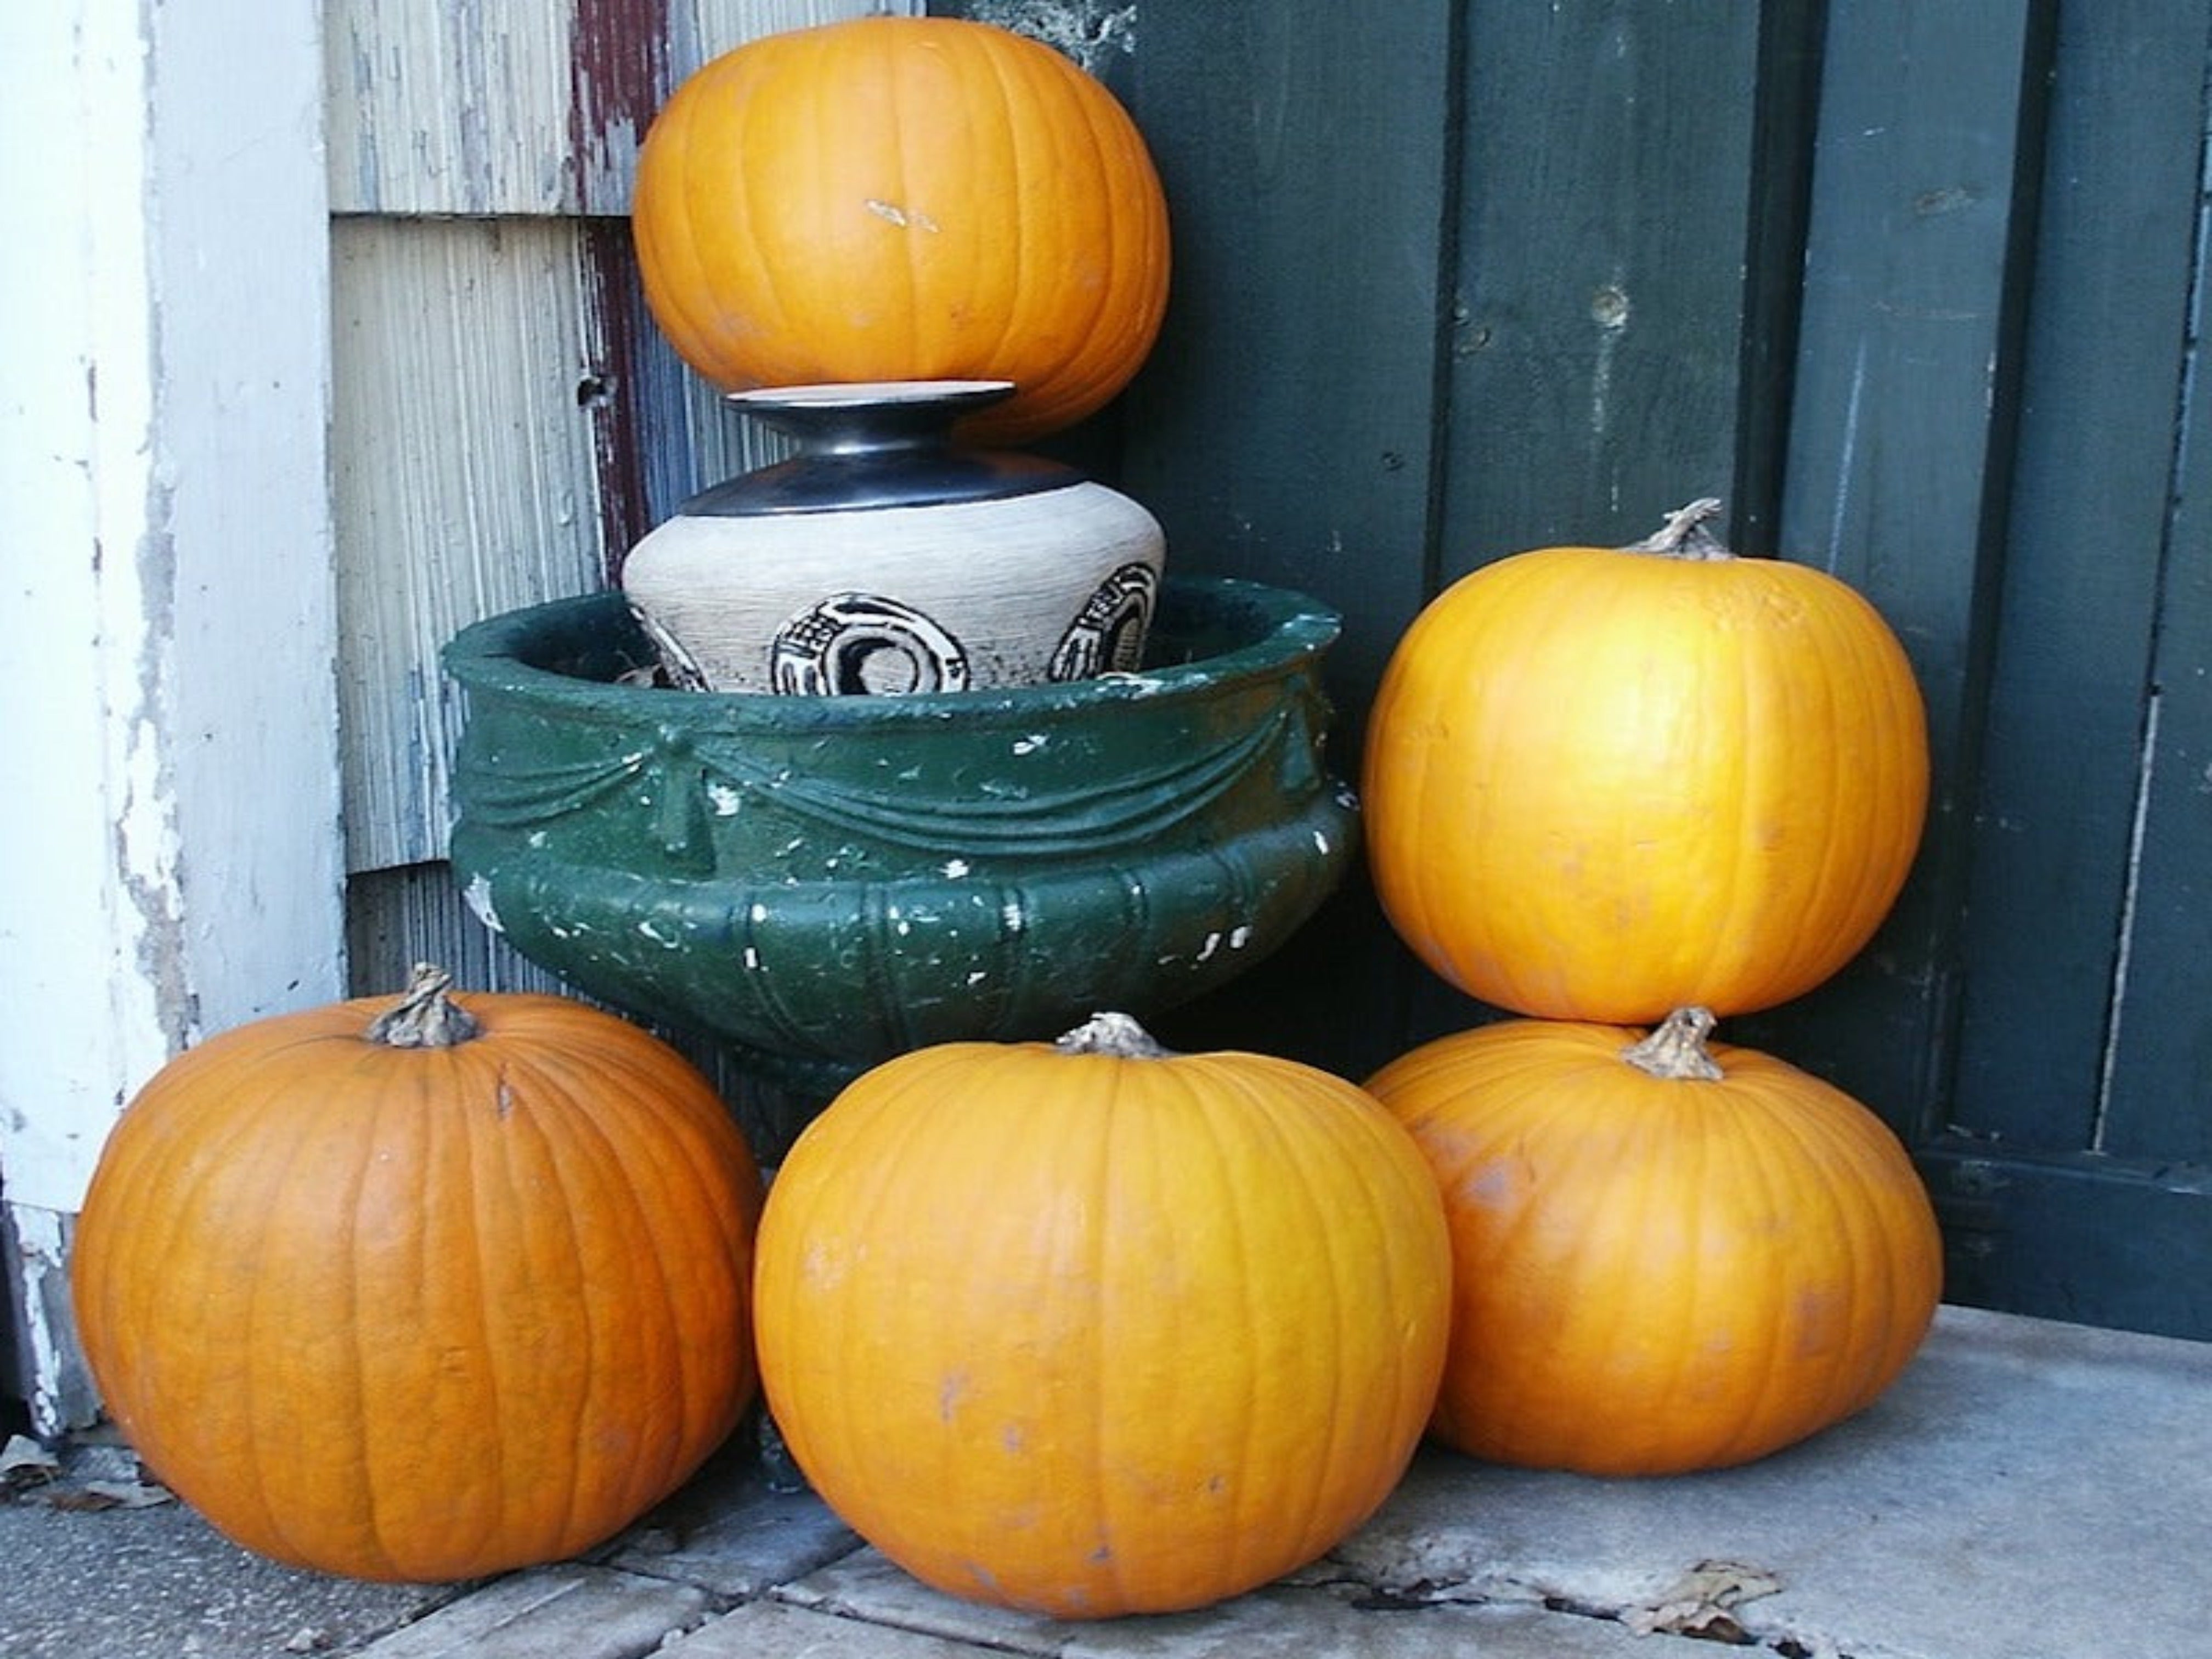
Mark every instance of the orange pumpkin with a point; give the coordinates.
(1605, 783)
(422, 1295)
(1666, 1256)
(1088, 1329)
(905, 198)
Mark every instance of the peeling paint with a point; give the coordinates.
(478, 897)
(35, 1250)
(618, 77)
(1087, 31)
(1610, 310)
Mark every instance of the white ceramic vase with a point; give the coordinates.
(883, 559)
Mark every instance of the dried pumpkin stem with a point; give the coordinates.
(1112, 1034)
(426, 1017)
(1684, 535)
(1676, 1050)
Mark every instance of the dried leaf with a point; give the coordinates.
(94, 1495)
(25, 1463)
(1699, 1603)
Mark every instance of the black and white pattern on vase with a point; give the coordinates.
(1107, 634)
(864, 645)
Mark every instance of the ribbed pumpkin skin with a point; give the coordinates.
(422, 1314)
(1654, 1275)
(1603, 784)
(1092, 1335)
(905, 198)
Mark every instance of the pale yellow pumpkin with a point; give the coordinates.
(1605, 783)
(1091, 1329)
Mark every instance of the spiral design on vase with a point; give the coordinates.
(864, 645)
(1107, 634)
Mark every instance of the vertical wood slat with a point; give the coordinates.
(508, 423)
(1604, 288)
(463, 484)
(1898, 447)
(2159, 1085)
(1286, 427)
(1595, 368)
(1784, 131)
(507, 418)
(513, 107)
(2103, 378)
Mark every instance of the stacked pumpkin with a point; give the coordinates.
(901, 241)
(1084, 1327)
(891, 198)
(1606, 788)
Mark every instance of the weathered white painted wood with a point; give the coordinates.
(463, 482)
(169, 862)
(495, 107)
(506, 421)
(475, 388)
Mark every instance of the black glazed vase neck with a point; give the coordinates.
(876, 444)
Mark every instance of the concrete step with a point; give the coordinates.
(2027, 1490)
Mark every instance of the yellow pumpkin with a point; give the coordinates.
(426, 1290)
(1089, 1328)
(1666, 1255)
(1605, 783)
(905, 198)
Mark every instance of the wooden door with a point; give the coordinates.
(1916, 287)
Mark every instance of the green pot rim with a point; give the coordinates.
(492, 656)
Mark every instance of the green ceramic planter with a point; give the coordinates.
(826, 882)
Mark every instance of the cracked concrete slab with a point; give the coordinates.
(734, 1533)
(2027, 1490)
(2013, 1497)
(571, 1611)
(1311, 1616)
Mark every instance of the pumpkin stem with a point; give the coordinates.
(1112, 1034)
(426, 1017)
(1676, 1049)
(1684, 536)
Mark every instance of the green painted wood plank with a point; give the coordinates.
(1626, 255)
(1286, 426)
(2055, 826)
(2095, 1241)
(1900, 446)
(1786, 125)
(2158, 1096)
(1601, 296)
